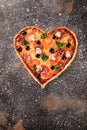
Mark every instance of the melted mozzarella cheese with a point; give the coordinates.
(58, 34)
(32, 38)
(68, 54)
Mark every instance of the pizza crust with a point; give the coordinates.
(74, 54)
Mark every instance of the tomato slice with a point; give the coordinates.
(33, 62)
(46, 72)
(31, 37)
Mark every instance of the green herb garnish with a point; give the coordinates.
(55, 67)
(34, 67)
(60, 45)
(44, 57)
(25, 43)
(43, 36)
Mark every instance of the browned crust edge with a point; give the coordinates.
(43, 85)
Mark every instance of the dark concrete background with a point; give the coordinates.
(62, 105)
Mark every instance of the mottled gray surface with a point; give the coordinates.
(62, 105)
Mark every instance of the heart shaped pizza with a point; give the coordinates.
(45, 54)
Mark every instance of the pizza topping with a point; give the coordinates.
(61, 65)
(44, 57)
(20, 38)
(32, 38)
(59, 52)
(43, 36)
(52, 67)
(54, 37)
(38, 50)
(58, 34)
(34, 67)
(52, 57)
(26, 58)
(32, 62)
(38, 68)
(45, 69)
(60, 45)
(27, 48)
(38, 42)
(19, 49)
(25, 43)
(55, 67)
(68, 54)
(63, 57)
(18, 43)
(37, 55)
(68, 44)
(51, 50)
(24, 33)
(38, 76)
(46, 72)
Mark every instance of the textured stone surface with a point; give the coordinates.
(63, 103)
(19, 126)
